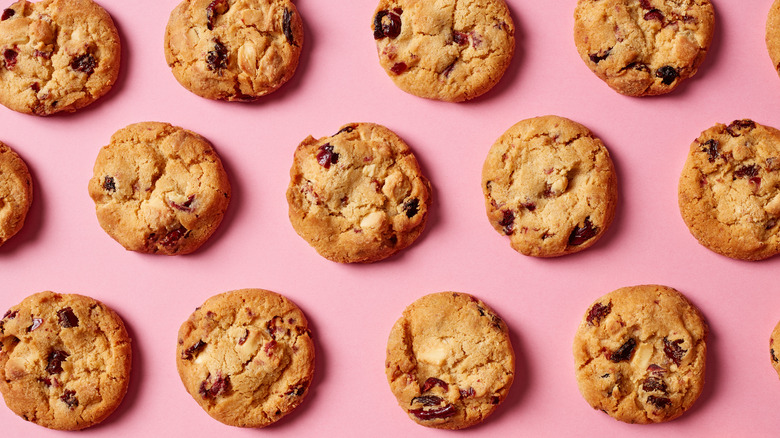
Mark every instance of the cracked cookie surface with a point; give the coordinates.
(450, 362)
(64, 360)
(640, 354)
(159, 188)
(246, 357)
(643, 47)
(549, 185)
(16, 193)
(233, 49)
(729, 190)
(358, 195)
(58, 55)
(451, 50)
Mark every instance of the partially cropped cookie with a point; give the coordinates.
(159, 188)
(64, 360)
(246, 357)
(233, 49)
(643, 47)
(58, 55)
(358, 195)
(729, 191)
(16, 193)
(451, 50)
(773, 34)
(549, 185)
(640, 354)
(450, 362)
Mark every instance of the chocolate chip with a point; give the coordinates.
(600, 56)
(412, 207)
(580, 235)
(286, 27)
(659, 402)
(36, 322)
(624, 352)
(67, 318)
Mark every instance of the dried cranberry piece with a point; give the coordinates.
(387, 24)
(600, 56)
(347, 129)
(9, 55)
(270, 347)
(747, 171)
(42, 54)
(109, 184)
(580, 235)
(54, 361)
(739, 125)
(326, 156)
(244, 337)
(36, 322)
(432, 382)
(654, 14)
(209, 389)
(508, 222)
(445, 411)
(598, 312)
(67, 318)
(276, 326)
(466, 393)
(655, 369)
(645, 4)
(624, 352)
(659, 402)
(298, 390)
(11, 314)
(460, 38)
(711, 148)
(428, 400)
(636, 66)
(214, 8)
(412, 207)
(216, 59)
(530, 206)
(186, 206)
(69, 398)
(654, 384)
(172, 237)
(667, 73)
(399, 68)
(7, 13)
(673, 351)
(193, 351)
(287, 27)
(85, 63)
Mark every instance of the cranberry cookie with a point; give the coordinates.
(233, 49)
(58, 55)
(64, 360)
(246, 357)
(773, 34)
(451, 50)
(549, 185)
(449, 361)
(643, 47)
(16, 193)
(358, 195)
(159, 189)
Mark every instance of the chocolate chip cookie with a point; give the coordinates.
(159, 188)
(233, 49)
(449, 361)
(728, 191)
(358, 195)
(246, 357)
(16, 193)
(549, 185)
(58, 55)
(451, 50)
(64, 360)
(643, 47)
(640, 354)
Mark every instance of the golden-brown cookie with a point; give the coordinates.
(16, 193)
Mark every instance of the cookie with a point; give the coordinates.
(450, 362)
(246, 357)
(773, 34)
(728, 191)
(451, 50)
(644, 47)
(233, 49)
(58, 55)
(774, 348)
(549, 185)
(64, 360)
(15, 193)
(358, 195)
(640, 354)
(159, 188)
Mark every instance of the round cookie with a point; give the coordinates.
(549, 185)
(159, 188)
(450, 362)
(246, 357)
(358, 195)
(774, 348)
(64, 360)
(773, 34)
(643, 47)
(15, 193)
(233, 49)
(728, 190)
(58, 55)
(640, 353)
(451, 50)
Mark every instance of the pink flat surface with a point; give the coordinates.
(352, 308)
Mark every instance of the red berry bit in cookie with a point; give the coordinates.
(582, 234)
(508, 222)
(659, 402)
(54, 361)
(598, 312)
(216, 59)
(711, 148)
(412, 207)
(215, 388)
(109, 184)
(433, 408)
(654, 14)
(737, 127)
(433, 382)
(85, 63)
(326, 156)
(7, 13)
(193, 351)
(654, 384)
(624, 352)
(9, 56)
(747, 171)
(36, 322)
(673, 351)
(213, 9)
(387, 24)
(600, 56)
(287, 27)
(67, 318)
(399, 68)
(186, 206)
(69, 398)
(668, 74)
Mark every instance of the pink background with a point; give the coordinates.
(352, 308)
